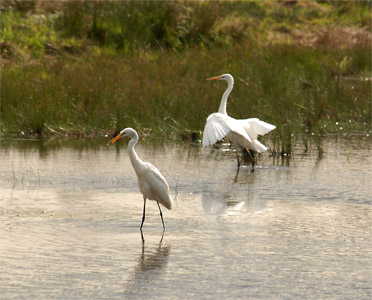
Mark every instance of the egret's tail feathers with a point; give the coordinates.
(258, 147)
(167, 205)
(167, 202)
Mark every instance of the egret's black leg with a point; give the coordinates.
(144, 212)
(161, 215)
(237, 157)
(143, 240)
(236, 175)
(252, 158)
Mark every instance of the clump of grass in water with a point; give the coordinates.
(348, 154)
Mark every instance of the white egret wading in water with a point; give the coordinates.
(152, 183)
(242, 133)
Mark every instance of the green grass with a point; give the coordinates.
(80, 72)
(294, 88)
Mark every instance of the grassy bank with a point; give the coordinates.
(300, 73)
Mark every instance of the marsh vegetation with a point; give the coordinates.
(82, 68)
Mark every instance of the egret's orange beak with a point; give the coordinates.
(214, 78)
(114, 139)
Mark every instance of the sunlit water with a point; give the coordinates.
(292, 229)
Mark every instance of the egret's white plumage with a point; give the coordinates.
(152, 183)
(242, 132)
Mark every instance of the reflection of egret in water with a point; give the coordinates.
(150, 267)
(233, 196)
(226, 202)
(154, 260)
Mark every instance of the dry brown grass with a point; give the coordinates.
(337, 37)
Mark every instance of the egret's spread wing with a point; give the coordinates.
(218, 126)
(260, 127)
(215, 129)
(158, 186)
(254, 127)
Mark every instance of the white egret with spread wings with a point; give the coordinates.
(242, 133)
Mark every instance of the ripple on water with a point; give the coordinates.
(300, 228)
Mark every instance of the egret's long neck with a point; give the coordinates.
(134, 159)
(222, 108)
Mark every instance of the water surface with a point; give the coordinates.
(292, 229)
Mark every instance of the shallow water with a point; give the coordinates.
(292, 229)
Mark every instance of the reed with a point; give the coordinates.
(292, 87)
